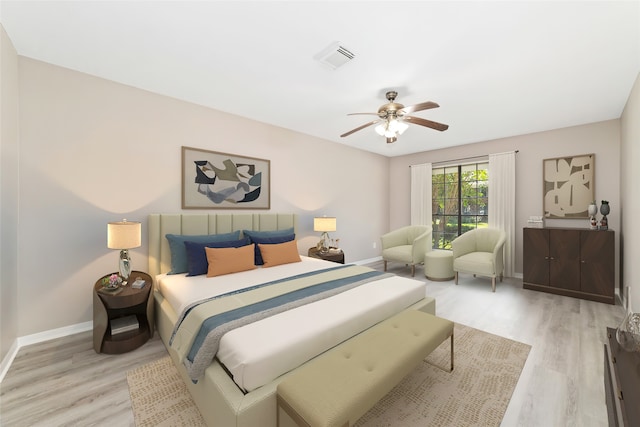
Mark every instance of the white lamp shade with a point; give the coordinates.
(324, 223)
(124, 234)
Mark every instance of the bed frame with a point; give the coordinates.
(220, 401)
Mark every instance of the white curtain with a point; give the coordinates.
(421, 194)
(502, 202)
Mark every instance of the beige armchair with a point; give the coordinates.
(480, 252)
(406, 245)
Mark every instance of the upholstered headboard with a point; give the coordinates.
(190, 224)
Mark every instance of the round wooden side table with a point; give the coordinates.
(328, 256)
(122, 321)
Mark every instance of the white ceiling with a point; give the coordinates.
(497, 69)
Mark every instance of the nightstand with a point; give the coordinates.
(122, 321)
(315, 253)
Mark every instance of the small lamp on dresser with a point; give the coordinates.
(124, 235)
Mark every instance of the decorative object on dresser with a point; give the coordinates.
(604, 210)
(537, 221)
(621, 383)
(628, 333)
(570, 261)
(211, 179)
(324, 224)
(568, 186)
(122, 321)
(593, 210)
(124, 235)
(333, 254)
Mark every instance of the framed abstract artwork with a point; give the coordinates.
(214, 180)
(568, 186)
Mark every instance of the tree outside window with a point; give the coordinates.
(460, 201)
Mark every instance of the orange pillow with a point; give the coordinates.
(229, 260)
(279, 253)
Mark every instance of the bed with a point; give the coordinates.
(226, 397)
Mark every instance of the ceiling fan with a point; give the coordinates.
(393, 118)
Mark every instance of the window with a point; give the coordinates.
(460, 201)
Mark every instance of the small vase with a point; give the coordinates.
(593, 210)
(628, 333)
(604, 210)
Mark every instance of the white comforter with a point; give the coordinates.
(258, 353)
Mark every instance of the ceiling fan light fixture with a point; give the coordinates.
(402, 127)
(389, 133)
(393, 118)
(397, 126)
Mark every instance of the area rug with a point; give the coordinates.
(160, 398)
(476, 393)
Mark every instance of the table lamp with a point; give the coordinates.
(324, 224)
(124, 235)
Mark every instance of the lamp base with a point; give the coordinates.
(125, 266)
(323, 244)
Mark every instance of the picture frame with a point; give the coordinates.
(216, 180)
(568, 186)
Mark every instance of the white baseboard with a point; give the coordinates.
(367, 261)
(37, 338)
(8, 359)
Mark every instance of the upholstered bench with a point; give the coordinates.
(341, 385)
(438, 265)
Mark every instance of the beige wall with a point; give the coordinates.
(8, 194)
(602, 138)
(630, 196)
(93, 151)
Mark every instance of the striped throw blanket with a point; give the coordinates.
(197, 333)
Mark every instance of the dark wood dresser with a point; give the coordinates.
(570, 261)
(621, 383)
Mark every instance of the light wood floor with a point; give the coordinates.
(63, 382)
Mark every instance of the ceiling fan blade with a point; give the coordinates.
(424, 122)
(419, 107)
(360, 114)
(359, 128)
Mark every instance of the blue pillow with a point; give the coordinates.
(272, 240)
(275, 233)
(197, 257)
(179, 262)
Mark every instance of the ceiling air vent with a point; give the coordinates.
(334, 56)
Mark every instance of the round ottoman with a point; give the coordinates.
(438, 265)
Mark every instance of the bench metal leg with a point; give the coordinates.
(451, 352)
(451, 358)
